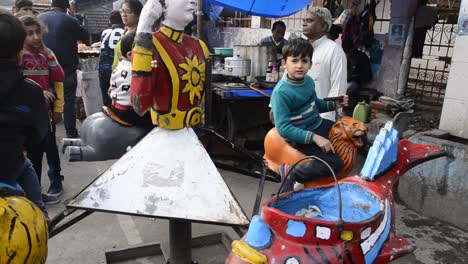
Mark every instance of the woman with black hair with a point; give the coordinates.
(130, 11)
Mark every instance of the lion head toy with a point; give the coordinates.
(345, 136)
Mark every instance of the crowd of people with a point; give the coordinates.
(38, 87)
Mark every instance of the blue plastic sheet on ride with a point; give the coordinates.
(383, 153)
(358, 203)
(264, 8)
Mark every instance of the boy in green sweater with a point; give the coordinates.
(296, 110)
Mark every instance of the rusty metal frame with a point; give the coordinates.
(428, 75)
(158, 249)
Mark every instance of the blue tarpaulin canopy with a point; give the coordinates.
(264, 8)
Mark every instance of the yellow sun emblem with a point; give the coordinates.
(195, 77)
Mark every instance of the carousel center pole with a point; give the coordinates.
(180, 242)
(199, 18)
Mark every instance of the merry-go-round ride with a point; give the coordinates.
(167, 173)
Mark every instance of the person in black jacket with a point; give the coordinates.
(23, 115)
(109, 39)
(63, 33)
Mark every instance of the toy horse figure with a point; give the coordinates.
(345, 136)
(103, 136)
(23, 228)
(351, 221)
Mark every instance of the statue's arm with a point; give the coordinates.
(151, 12)
(142, 58)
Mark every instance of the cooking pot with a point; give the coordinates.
(260, 56)
(237, 66)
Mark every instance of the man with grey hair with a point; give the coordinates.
(328, 70)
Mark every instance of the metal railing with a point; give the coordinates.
(428, 75)
(383, 13)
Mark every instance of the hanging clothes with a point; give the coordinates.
(360, 28)
(368, 18)
(426, 17)
(351, 30)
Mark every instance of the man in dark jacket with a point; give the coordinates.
(63, 33)
(109, 39)
(23, 114)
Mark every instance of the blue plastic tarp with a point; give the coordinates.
(264, 8)
(212, 11)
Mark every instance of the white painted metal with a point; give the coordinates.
(167, 174)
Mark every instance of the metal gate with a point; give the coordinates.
(428, 75)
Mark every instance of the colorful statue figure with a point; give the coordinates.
(169, 69)
(169, 73)
(23, 228)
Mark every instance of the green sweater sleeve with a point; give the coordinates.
(117, 55)
(324, 106)
(280, 105)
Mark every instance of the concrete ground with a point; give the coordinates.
(88, 240)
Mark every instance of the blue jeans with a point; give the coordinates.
(27, 179)
(69, 113)
(53, 158)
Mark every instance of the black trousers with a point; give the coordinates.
(49, 147)
(315, 169)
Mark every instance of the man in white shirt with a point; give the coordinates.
(328, 70)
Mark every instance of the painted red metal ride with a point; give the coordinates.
(359, 229)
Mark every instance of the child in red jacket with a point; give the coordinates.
(40, 65)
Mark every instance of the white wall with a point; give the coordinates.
(454, 117)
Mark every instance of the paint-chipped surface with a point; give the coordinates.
(167, 174)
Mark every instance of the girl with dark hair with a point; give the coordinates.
(40, 65)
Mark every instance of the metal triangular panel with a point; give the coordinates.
(168, 174)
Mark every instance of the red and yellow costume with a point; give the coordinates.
(169, 79)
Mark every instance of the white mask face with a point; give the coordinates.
(179, 13)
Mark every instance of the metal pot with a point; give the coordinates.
(237, 66)
(260, 55)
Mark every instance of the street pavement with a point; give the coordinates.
(88, 240)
